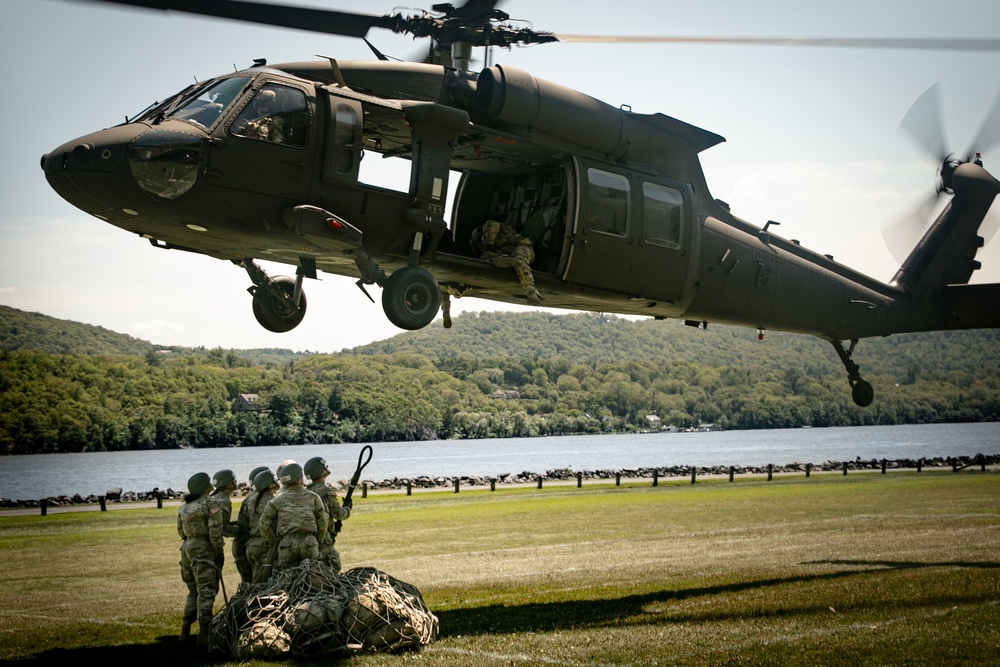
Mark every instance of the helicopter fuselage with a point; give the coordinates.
(264, 164)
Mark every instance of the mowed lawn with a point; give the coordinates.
(895, 569)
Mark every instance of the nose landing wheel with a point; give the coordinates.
(278, 312)
(279, 304)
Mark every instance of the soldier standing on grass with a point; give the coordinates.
(295, 519)
(199, 525)
(220, 501)
(266, 485)
(239, 545)
(317, 471)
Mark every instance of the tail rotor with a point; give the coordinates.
(923, 123)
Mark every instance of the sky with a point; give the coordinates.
(812, 137)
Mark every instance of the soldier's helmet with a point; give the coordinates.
(223, 478)
(256, 471)
(476, 240)
(199, 483)
(291, 473)
(264, 101)
(281, 466)
(263, 479)
(315, 467)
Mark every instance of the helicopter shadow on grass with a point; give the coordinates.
(534, 617)
(166, 651)
(575, 614)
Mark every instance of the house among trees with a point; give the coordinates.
(247, 403)
(506, 394)
(653, 422)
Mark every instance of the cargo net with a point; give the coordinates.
(311, 610)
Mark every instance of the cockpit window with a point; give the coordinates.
(204, 106)
(278, 114)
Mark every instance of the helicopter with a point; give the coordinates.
(615, 203)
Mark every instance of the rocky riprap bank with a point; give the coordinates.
(559, 474)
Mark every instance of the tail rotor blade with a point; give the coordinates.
(902, 234)
(989, 133)
(922, 123)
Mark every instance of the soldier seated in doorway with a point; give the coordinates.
(506, 248)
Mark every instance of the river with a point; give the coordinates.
(45, 475)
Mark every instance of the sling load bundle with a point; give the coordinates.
(311, 610)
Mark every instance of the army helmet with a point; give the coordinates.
(281, 466)
(199, 483)
(291, 473)
(315, 467)
(476, 240)
(223, 478)
(256, 471)
(263, 480)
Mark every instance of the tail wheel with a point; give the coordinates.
(275, 310)
(862, 393)
(411, 298)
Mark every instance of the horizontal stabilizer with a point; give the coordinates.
(975, 306)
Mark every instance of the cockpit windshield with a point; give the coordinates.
(204, 105)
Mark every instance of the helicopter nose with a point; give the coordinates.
(88, 171)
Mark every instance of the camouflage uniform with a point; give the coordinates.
(239, 545)
(199, 524)
(269, 128)
(224, 505)
(294, 519)
(327, 551)
(256, 551)
(506, 248)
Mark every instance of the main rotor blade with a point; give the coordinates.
(922, 123)
(913, 43)
(284, 16)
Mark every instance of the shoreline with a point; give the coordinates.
(118, 497)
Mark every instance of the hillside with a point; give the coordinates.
(71, 387)
(21, 330)
(595, 339)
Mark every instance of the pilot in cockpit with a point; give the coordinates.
(261, 121)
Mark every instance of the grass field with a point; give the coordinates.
(865, 569)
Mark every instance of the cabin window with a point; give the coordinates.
(663, 214)
(608, 202)
(203, 107)
(345, 129)
(276, 114)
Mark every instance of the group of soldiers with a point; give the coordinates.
(278, 527)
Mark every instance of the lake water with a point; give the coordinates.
(44, 475)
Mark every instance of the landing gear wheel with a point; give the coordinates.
(411, 298)
(278, 314)
(861, 389)
(862, 393)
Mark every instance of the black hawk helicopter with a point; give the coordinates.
(263, 163)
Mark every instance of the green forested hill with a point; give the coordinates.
(595, 338)
(491, 374)
(20, 330)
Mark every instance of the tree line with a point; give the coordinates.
(490, 375)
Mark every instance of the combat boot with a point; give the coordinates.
(186, 631)
(204, 641)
